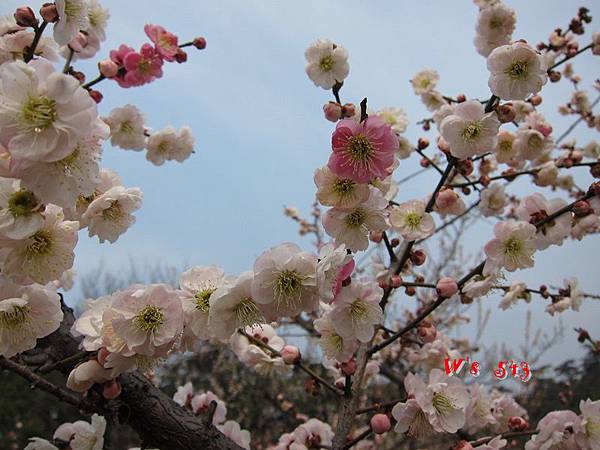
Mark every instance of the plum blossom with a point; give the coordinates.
(13, 44)
(478, 413)
(334, 266)
(233, 431)
(341, 192)
(27, 313)
(362, 151)
(493, 200)
(479, 285)
(356, 311)
(432, 354)
(109, 215)
(557, 429)
(424, 81)
(396, 118)
(433, 100)
(285, 278)
(495, 444)
(45, 255)
(447, 201)
(326, 63)
(495, 26)
(20, 215)
(505, 151)
(43, 113)
(590, 422)
(512, 247)
(196, 288)
(503, 408)
(352, 226)
(411, 220)
(148, 319)
(232, 306)
(82, 435)
(98, 20)
(201, 402)
(411, 419)
(332, 343)
(253, 355)
(72, 17)
(39, 444)
(183, 394)
(165, 42)
(405, 148)
(127, 128)
(470, 131)
(536, 207)
(572, 298)
(143, 67)
(170, 144)
(531, 144)
(516, 292)
(310, 433)
(516, 71)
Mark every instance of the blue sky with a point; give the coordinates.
(260, 133)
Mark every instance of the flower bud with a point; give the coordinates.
(595, 170)
(380, 423)
(348, 110)
(555, 76)
(583, 335)
(462, 445)
(506, 113)
(349, 367)
(424, 163)
(423, 143)
(418, 257)
(290, 354)
(536, 100)
(25, 17)
(376, 236)
(395, 281)
(311, 387)
(395, 242)
(461, 98)
(199, 43)
(181, 56)
(428, 334)
(332, 111)
(111, 390)
(446, 287)
(49, 12)
(96, 95)
(582, 208)
(410, 291)
(516, 423)
(108, 68)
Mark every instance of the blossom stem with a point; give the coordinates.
(491, 103)
(365, 434)
(389, 247)
(451, 221)
(511, 434)
(36, 39)
(380, 407)
(336, 91)
(46, 368)
(566, 58)
(363, 110)
(67, 65)
(96, 80)
(577, 122)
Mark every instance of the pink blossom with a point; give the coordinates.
(143, 67)
(164, 41)
(362, 151)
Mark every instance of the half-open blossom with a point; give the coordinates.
(143, 67)
(411, 221)
(557, 429)
(312, 432)
(516, 71)
(334, 266)
(362, 151)
(356, 311)
(110, 214)
(352, 226)
(333, 344)
(470, 131)
(196, 288)
(127, 128)
(232, 306)
(493, 200)
(20, 215)
(148, 319)
(536, 207)
(43, 113)
(516, 292)
(27, 313)
(512, 247)
(72, 17)
(82, 435)
(326, 63)
(341, 192)
(424, 81)
(164, 41)
(169, 144)
(285, 278)
(447, 201)
(45, 255)
(233, 431)
(253, 355)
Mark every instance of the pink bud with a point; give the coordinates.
(108, 68)
(290, 354)
(181, 56)
(396, 281)
(102, 355)
(545, 129)
(446, 287)
(349, 367)
(333, 111)
(111, 390)
(380, 423)
(200, 43)
(376, 236)
(79, 42)
(348, 110)
(462, 445)
(25, 17)
(516, 423)
(49, 12)
(445, 199)
(96, 95)
(427, 334)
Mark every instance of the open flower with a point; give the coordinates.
(352, 226)
(110, 214)
(82, 435)
(143, 67)
(27, 313)
(326, 63)
(333, 344)
(196, 288)
(45, 255)
(395, 118)
(590, 421)
(232, 307)
(285, 279)
(411, 221)
(557, 429)
(356, 311)
(493, 200)
(512, 248)
(411, 419)
(149, 319)
(536, 207)
(20, 215)
(310, 433)
(98, 20)
(495, 26)
(341, 192)
(200, 404)
(505, 151)
(164, 41)
(233, 431)
(334, 266)
(516, 71)
(255, 356)
(43, 113)
(72, 17)
(531, 144)
(362, 151)
(127, 128)
(169, 144)
(478, 412)
(424, 81)
(469, 130)
(516, 292)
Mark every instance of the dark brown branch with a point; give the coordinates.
(566, 58)
(508, 435)
(36, 40)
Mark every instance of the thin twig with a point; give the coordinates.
(36, 39)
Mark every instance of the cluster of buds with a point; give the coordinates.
(305, 226)
(334, 111)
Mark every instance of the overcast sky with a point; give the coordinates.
(260, 133)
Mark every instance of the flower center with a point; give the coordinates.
(343, 187)
(22, 203)
(424, 83)
(163, 147)
(420, 426)
(356, 218)
(247, 313)
(126, 127)
(442, 404)
(113, 212)
(592, 428)
(39, 244)
(513, 247)
(359, 148)
(72, 9)
(505, 146)
(38, 113)
(150, 318)
(471, 131)
(97, 17)
(413, 220)
(144, 65)
(288, 284)
(517, 70)
(202, 299)
(326, 63)
(535, 142)
(358, 310)
(336, 341)
(15, 318)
